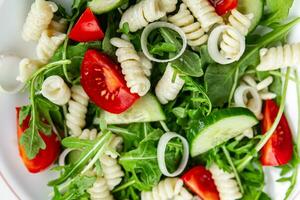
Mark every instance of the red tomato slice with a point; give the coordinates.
(104, 83)
(224, 6)
(87, 28)
(199, 180)
(279, 149)
(44, 158)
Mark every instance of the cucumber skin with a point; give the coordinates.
(112, 119)
(244, 6)
(94, 5)
(197, 126)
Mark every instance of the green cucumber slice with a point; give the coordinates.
(103, 6)
(146, 109)
(218, 128)
(256, 7)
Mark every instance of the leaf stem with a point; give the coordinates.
(64, 53)
(270, 132)
(124, 186)
(298, 100)
(228, 157)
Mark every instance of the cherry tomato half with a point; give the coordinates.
(279, 149)
(87, 28)
(199, 180)
(44, 158)
(104, 83)
(224, 6)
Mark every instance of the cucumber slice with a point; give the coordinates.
(219, 127)
(146, 109)
(256, 7)
(103, 6)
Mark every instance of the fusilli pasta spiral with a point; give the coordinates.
(204, 12)
(230, 45)
(88, 134)
(77, 110)
(38, 19)
(112, 171)
(279, 57)
(146, 64)
(48, 43)
(144, 12)
(100, 190)
(185, 20)
(131, 66)
(27, 67)
(168, 5)
(56, 90)
(168, 87)
(169, 188)
(226, 184)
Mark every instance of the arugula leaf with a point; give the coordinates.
(77, 189)
(133, 134)
(86, 155)
(189, 64)
(277, 11)
(76, 143)
(163, 47)
(219, 80)
(24, 112)
(142, 162)
(32, 141)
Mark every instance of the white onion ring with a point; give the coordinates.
(254, 104)
(63, 155)
(213, 45)
(155, 25)
(161, 150)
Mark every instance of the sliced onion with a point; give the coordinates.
(155, 25)
(9, 67)
(213, 45)
(63, 155)
(161, 151)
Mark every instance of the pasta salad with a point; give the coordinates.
(158, 99)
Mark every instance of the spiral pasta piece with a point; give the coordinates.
(169, 188)
(77, 110)
(226, 184)
(27, 67)
(38, 19)
(48, 43)
(56, 90)
(193, 31)
(168, 87)
(100, 190)
(230, 45)
(112, 171)
(168, 5)
(131, 66)
(279, 57)
(204, 12)
(142, 13)
(146, 64)
(88, 134)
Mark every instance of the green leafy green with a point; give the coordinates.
(76, 143)
(219, 80)
(277, 11)
(31, 139)
(24, 112)
(77, 189)
(86, 155)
